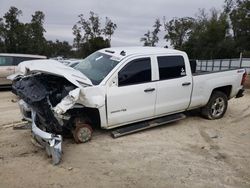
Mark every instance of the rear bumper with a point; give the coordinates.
(240, 93)
(51, 142)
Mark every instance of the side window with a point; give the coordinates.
(18, 60)
(135, 72)
(6, 61)
(171, 67)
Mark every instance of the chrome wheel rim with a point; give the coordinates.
(218, 107)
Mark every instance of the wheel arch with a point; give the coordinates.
(220, 109)
(93, 115)
(224, 89)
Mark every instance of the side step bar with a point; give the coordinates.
(146, 125)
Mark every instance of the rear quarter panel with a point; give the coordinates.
(203, 85)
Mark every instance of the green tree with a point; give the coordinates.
(178, 31)
(156, 26)
(36, 30)
(78, 37)
(18, 37)
(90, 36)
(151, 38)
(146, 39)
(109, 29)
(205, 37)
(211, 34)
(58, 48)
(93, 45)
(12, 29)
(2, 29)
(210, 37)
(240, 20)
(90, 26)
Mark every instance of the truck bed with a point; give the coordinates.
(204, 83)
(202, 72)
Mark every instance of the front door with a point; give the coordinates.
(133, 97)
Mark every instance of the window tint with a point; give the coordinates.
(171, 67)
(135, 72)
(6, 61)
(18, 60)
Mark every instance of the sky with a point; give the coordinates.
(133, 17)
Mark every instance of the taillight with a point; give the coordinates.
(244, 79)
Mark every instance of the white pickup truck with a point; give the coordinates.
(114, 87)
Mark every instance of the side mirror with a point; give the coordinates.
(114, 82)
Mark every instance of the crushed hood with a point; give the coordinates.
(52, 67)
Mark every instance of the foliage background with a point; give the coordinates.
(207, 35)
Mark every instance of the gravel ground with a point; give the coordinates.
(193, 152)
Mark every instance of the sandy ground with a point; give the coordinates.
(190, 153)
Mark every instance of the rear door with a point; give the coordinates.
(6, 69)
(133, 97)
(174, 86)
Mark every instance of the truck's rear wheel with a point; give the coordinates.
(82, 132)
(216, 106)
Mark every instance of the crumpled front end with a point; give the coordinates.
(47, 101)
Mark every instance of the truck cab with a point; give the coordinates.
(151, 83)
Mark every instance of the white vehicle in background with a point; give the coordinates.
(59, 58)
(9, 62)
(141, 87)
(71, 62)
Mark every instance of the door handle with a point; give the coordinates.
(186, 83)
(149, 90)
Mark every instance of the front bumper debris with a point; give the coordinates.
(25, 110)
(51, 142)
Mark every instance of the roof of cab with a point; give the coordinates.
(127, 51)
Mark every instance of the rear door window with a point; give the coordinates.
(135, 72)
(171, 67)
(6, 61)
(18, 60)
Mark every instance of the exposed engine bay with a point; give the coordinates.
(42, 93)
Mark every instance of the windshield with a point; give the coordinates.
(97, 66)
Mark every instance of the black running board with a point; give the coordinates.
(146, 125)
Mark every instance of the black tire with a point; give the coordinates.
(216, 106)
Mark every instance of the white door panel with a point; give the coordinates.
(172, 95)
(175, 85)
(133, 96)
(130, 103)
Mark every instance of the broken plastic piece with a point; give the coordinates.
(51, 142)
(68, 101)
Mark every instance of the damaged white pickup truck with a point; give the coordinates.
(115, 87)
